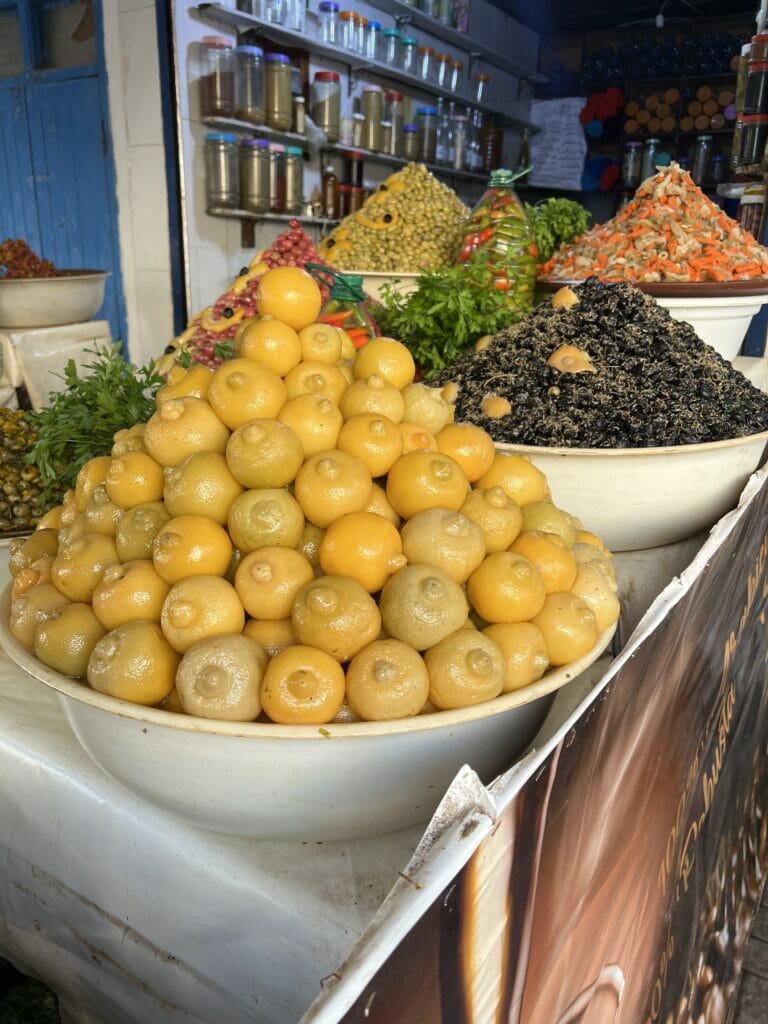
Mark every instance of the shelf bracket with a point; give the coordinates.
(248, 234)
(403, 19)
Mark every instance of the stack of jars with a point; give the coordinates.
(752, 105)
(454, 13)
(253, 175)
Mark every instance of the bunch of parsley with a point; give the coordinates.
(449, 310)
(556, 222)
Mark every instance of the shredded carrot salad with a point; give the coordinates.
(670, 231)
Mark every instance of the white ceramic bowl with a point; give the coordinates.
(296, 783)
(372, 283)
(636, 498)
(72, 297)
(720, 322)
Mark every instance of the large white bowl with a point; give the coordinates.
(720, 322)
(299, 783)
(72, 297)
(636, 498)
(372, 283)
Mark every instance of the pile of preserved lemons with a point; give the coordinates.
(411, 221)
(304, 535)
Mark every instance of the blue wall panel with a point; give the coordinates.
(18, 209)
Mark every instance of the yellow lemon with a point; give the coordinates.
(264, 453)
(131, 439)
(596, 592)
(274, 635)
(422, 605)
(65, 640)
(203, 485)
(551, 556)
(506, 587)
(134, 662)
(524, 651)
(90, 476)
(373, 439)
(587, 537)
(363, 546)
(191, 546)
(546, 517)
(134, 479)
(335, 614)
(521, 480)
(388, 359)
(272, 343)
(101, 515)
(25, 551)
(315, 420)
(200, 607)
(427, 407)
(243, 390)
(372, 395)
(315, 378)
(183, 383)
(302, 686)
(387, 680)
(32, 608)
(568, 626)
(446, 539)
(268, 517)
(497, 515)
(416, 438)
(470, 446)
(128, 593)
(465, 668)
(330, 484)
(268, 580)
(422, 479)
(587, 554)
(38, 571)
(78, 567)
(181, 427)
(379, 503)
(290, 295)
(309, 544)
(136, 531)
(220, 677)
(320, 343)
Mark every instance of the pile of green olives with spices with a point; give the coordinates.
(20, 483)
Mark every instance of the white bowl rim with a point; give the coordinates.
(81, 692)
(60, 275)
(672, 449)
(384, 273)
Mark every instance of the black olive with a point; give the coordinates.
(243, 270)
(387, 218)
(168, 349)
(330, 242)
(228, 312)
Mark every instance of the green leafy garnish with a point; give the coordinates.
(556, 222)
(81, 419)
(449, 310)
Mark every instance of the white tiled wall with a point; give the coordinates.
(130, 41)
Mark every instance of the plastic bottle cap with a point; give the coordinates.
(294, 151)
(255, 51)
(327, 6)
(502, 176)
(442, 57)
(410, 127)
(278, 58)
(457, 64)
(277, 147)
(326, 76)
(255, 143)
(391, 33)
(427, 49)
(376, 25)
(372, 88)
(482, 78)
(220, 41)
(410, 41)
(220, 137)
(395, 96)
(427, 112)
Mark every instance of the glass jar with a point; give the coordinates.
(491, 141)
(372, 49)
(409, 52)
(353, 167)
(297, 10)
(443, 63)
(460, 123)
(254, 175)
(394, 113)
(631, 165)
(409, 142)
(249, 84)
(217, 77)
(276, 11)
(702, 151)
(387, 145)
(390, 40)
(345, 200)
(650, 152)
(222, 186)
(361, 32)
(345, 131)
(756, 94)
(326, 103)
(294, 179)
(751, 206)
(348, 24)
(254, 7)
(358, 123)
(717, 170)
(426, 63)
(276, 178)
(480, 88)
(329, 191)
(427, 133)
(328, 12)
(373, 108)
(445, 12)
(457, 76)
(430, 7)
(474, 133)
(299, 115)
(356, 198)
(279, 102)
(754, 134)
(500, 233)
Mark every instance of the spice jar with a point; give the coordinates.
(754, 133)
(254, 175)
(328, 12)
(348, 24)
(701, 154)
(386, 139)
(326, 103)
(430, 7)
(217, 77)
(443, 63)
(249, 84)
(491, 141)
(276, 178)
(756, 95)
(460, 126)
(279, 103)
(390, 39)
(427, 133)
(751, 207)
(373, 105)
(294, 179)
(276, 11)
(457, 76)
(480, 88)
(372, 50)
(717, 169)
(409, 141)
(409, 51)
(358, 122)
(299, 115)
(758, 50)
(296, 14)
(329, 191)
(222, 187)
(361, 32)
(426, 63)
(356, 198)
(631, 165)
(445, 12)
(345, 131)
(650, 153)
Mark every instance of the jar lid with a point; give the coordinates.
(294, 150)
(386, 124)
(461, 117)
(256, 51)
(718, 157)
(444, 56)
(299, 99)
(427, 49)
(482, 78)
(220, 137)
(761, 37)
(754, 119)
(391, 32)
(634, 145)
(326, 6)
(358, 117)
(374, 25)
(361, 20)
(457, 64)
(394, 96)
(652, 139)
(427, 112)
(220, 41)
(355, 188)
(326, 76)
(348, 16)
(757, 66)
(345, 188)
(705, 138)
(255, 143)
(409, 41)
(277, 147)
(372, 88)
(503, 177)
(410, 128)
(353, 154)
(278, 58)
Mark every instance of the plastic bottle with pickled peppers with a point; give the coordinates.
(499, 230)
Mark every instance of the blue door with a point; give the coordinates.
(57, 179)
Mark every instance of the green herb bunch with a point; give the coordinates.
(449, 310)
(82, 418)
(556, 222)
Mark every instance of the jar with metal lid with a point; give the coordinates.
(754, 133)
(409, 142)
(254, 175)
(460, 124)
(390, 40)
(373, 107)
(409, 52)
(373, 49)
(329, 190)
(348, 24)
(427, 133)
(443, 63)
(299, 115)
(480, 88)
(326, 103)
(249, 84)
(328, 12)
(279, 102)
(426, 63)
(702, 151)
(294, 179)
(358, 123)
(387, 145)
(750, 211)
(217, 77)
(457, 76)
(650, 152)
(756, 95)
(631, 165)
(276, 178)
(276, 11)
(222, 185)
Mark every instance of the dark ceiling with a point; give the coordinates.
(548, 16)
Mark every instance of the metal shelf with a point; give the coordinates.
(281, 218)
(439, 170)
(239, 21)
(235, 124)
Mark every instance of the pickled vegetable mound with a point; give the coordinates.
(655, 383)
(411, 221)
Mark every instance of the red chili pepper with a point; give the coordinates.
(501, 284)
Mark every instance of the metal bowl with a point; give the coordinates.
(308, 783)
(636, 498)
(72, 297)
